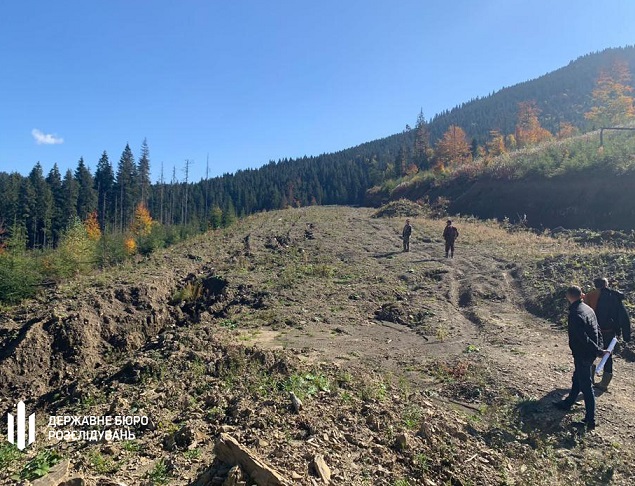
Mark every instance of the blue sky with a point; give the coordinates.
(248, 81)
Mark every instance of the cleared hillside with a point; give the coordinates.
(412, 368)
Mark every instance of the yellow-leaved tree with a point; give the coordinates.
(142, 221)
(140, 230)
(76, 252)
(92, 226)
(496, 143)
(612, 100)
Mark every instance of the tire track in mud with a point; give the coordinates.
(522, 352)
(476, 298)
(530, 354)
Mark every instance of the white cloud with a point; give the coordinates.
(45, 138)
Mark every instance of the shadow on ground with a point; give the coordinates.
(541, 417)
(388, 254)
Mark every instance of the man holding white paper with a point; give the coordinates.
(585, 342)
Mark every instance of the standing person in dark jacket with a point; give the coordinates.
(450, 234)
(405, 235)
(612, 318)
(585, 342)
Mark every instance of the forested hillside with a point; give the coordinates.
(563, 95)
(554, 106)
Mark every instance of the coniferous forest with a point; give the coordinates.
(42, 204)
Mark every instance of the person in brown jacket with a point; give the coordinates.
(613, 321)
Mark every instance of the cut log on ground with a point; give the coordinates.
(230, 451)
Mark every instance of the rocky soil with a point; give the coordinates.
(305, 348)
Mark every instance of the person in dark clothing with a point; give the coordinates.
(405, 235)
(450, 234)
(613, 320)
(585, 342)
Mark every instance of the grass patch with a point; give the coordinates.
(102, 464)
(190, 292)
(422, 461)
(320, 270)
(160, 473)
(374, 391)
(9, 454)
(192, 454)
(411, 417)
(130, 446)
(197, 367)
(228, 324)
(40, 465)
(306, 385)
(401, 482)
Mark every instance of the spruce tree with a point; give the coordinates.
(126, 187)
(9, 195)
(26, 217)
(39, 225)
(229, 214)
(422, 150)
(70, 193)
(104, 185)
(86, 194)
(58, 218)
(143, 172)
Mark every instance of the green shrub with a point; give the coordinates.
(190, 292)
(171, 235)
(306, 385)
(111, 250)
(102, 464)
(153, 241)
(19, 277)
(76, 253)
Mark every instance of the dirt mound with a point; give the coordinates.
(360, 426)
(400, 208)
(72, 330)
(587, 237)
(573, 200)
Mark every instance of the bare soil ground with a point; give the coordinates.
(412, 368)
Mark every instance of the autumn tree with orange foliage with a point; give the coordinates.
(528, 129)
(453, 149)
(566, 130)
(613, 103)
(412, 169)
(91, 224)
